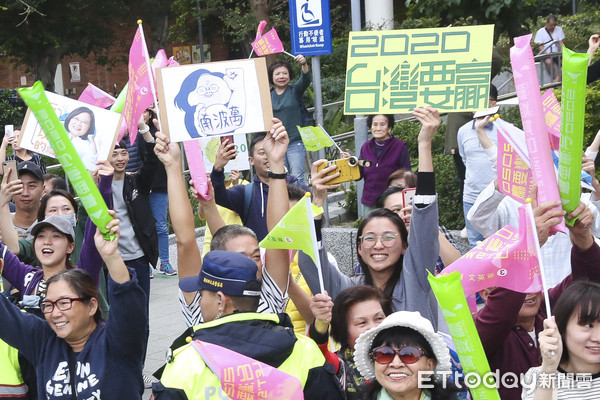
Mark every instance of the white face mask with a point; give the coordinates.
(71, 218)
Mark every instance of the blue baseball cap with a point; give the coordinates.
(234, 274)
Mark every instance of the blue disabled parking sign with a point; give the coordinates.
(310, 26)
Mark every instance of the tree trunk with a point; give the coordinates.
(44, 67)
(262, 11)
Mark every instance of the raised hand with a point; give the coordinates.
(168, 153)
(321, 307)
(320, 181)
(550, 346)
(276, 142)
(9, 189)
(225, 152)
(430, 120)
(109, 249)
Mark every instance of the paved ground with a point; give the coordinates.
(166, 320)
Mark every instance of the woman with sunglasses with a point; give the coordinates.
(400, 356)
(356, 310)
(390, 259)
(570, 347)
(75, 353)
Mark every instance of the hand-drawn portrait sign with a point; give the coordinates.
(392, 72)
(214, 99)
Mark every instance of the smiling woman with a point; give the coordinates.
(75, 353)
(570, 347)
(401, 356)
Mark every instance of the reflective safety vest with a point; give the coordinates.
(188, 372)
(12, 385)
(291, 309)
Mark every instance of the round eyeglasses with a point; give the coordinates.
(388, 239)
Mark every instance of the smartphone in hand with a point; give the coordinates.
(12, 165)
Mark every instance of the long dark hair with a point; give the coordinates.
(344, 302)
(82, 284)
(396, 220)
(583, 298)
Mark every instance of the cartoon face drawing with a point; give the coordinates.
(212, 102)
(210, 90)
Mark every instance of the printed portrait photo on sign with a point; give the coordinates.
(91, 129)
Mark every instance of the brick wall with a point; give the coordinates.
(105, 77)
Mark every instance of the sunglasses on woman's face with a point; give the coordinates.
(407, 354)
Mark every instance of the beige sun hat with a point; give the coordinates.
(408, 319)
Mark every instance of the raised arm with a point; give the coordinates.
(109, 251)
(10, 237)
(430, 121)
(423, 244)
(89, 258)
(3, 147)
(275, 146)
(180, 210)
(233, 198)
(208, 208)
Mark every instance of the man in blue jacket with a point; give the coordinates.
(249, 201)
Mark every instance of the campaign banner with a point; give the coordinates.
(552, 113)
(514, 175)
(314, 137)
(508, 259)
(91, 130)
(210, 146)
(96, 96)
(574, 78)
(195, 161)
(214, 99)
(75, 170)
(244, 378)
(451, 297)
(534, 123)
(392, 72)
(269, 43)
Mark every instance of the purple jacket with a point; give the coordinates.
(27, 277)
(507, 345)
(395, 156)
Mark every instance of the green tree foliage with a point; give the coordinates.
(39, 33)
(446, 179)
(507, 15)
(12, 109)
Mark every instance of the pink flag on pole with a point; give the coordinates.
(243, 378)
(514, 176)
(259, 31)
(96, 97)
(195, 160)
(507, 259)
(553, 115)
(534, 123)
(139, 94)
(269, 43)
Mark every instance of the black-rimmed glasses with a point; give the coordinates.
(63, 304)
